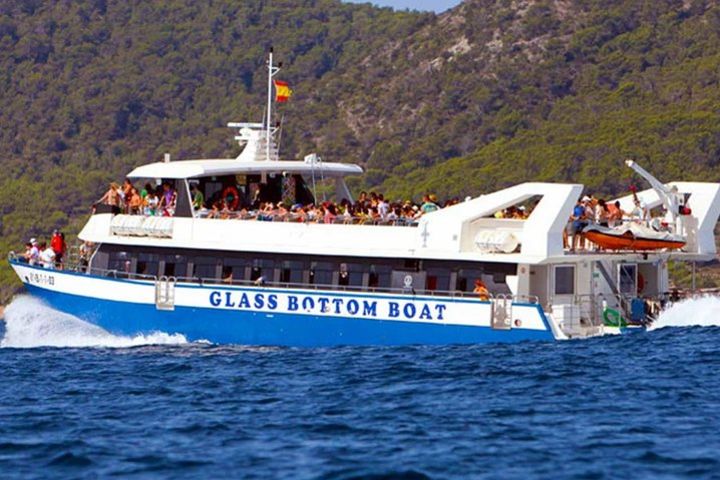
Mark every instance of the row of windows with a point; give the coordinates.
(350, 274)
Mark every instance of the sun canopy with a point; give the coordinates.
(218, 167)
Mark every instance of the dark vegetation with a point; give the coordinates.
(489, 94)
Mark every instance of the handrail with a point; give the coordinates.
(115, 273)
(322, 286)
(293, 218)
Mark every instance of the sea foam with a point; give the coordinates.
(31, 323)
(693, 312)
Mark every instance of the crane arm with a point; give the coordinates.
(667, 196)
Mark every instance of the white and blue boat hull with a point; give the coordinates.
(226, 314)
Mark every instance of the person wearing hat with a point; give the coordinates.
(429, 204)
(481, 290)
(34, 254)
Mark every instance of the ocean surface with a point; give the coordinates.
(78, 402)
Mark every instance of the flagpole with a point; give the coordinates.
(269, 105)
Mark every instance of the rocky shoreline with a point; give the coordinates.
(2, 311)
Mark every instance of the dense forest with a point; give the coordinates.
(490, 93)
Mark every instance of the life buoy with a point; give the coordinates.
(231, 197)
(612, 318)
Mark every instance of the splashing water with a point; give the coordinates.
(694, 312)
(31, 323)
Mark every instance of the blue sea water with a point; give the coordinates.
(645, 405)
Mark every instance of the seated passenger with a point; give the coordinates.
(394, 214)
(167, 200)
(602, 213)
(615, 214)
(150, 205)
(198, 199)
(329, 213)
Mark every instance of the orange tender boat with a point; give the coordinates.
(632, 237)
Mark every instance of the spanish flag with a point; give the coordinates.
(282, 91)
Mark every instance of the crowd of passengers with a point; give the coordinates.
(596, 211)
(150, 201)
(368, 208)
(46, 254)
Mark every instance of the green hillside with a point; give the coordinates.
(488, 94)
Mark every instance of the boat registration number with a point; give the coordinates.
(41, 278)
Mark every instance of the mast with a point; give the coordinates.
(272, 70)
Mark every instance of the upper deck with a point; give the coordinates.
(467, 231)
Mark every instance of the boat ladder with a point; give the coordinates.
(501, 313)
(165, 293)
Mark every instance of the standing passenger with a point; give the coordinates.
(579, 222)
(47, 256)
(481, 290)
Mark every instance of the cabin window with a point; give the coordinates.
(205, 267)
(285, 272)
(438, 279)
(255, 272)
(564, 280)
(169, 269)
(263, 268)
(233, 269)
(291, 272)
(380, 276)
(373, 277)
(147, 264)
(175, 265)
(343, 275)
(118, 261)
(321, 273)
(466, 280)
(351, 274)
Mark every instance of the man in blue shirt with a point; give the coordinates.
(579, 222)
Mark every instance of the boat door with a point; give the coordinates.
(627, 280)
(165, 293)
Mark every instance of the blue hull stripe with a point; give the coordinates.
(260, 328)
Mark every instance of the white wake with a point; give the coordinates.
(31, 323)
(694, 312)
